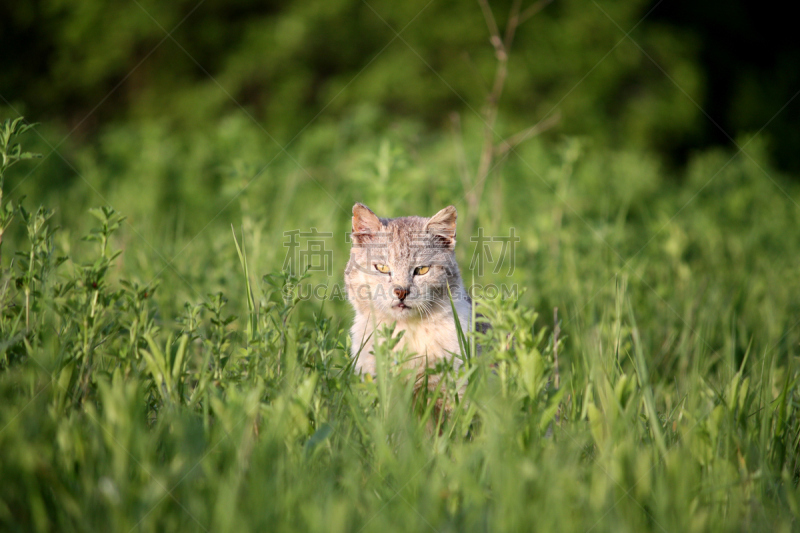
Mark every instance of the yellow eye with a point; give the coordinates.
(383, 269)
(421, 271)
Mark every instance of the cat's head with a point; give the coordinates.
(400, 268)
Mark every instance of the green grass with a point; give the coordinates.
(155, 376)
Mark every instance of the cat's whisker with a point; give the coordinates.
(427, 307)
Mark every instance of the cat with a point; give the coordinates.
(399, 273)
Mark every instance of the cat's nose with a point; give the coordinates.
(401, 293)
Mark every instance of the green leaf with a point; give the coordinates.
(319, 436)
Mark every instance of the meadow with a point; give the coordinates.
(162, 370)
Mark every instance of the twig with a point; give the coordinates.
(502, 46)
(531, 11)
(518, 138)
(490, 22)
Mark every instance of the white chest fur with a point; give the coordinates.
(426, 341)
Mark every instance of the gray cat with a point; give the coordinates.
(399, 272)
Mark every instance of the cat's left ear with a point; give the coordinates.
(443, 226)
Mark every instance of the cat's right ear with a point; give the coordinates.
(365, 224)
(443, 227)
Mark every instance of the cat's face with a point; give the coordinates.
(400, 268)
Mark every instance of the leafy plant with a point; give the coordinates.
(662, 396)
(11, 154)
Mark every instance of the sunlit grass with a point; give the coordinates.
(182, 387)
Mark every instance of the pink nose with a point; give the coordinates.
(400, 293)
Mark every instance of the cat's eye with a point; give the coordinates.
(421, 271)
(383, 269)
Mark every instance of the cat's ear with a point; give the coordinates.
(443, 226)
(365, 223)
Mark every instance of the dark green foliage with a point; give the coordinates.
(96, 62)
(286, 62)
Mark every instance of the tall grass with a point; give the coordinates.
(179, 388)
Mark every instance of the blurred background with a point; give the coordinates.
(640, 156)
(665, 145)
(670, 77)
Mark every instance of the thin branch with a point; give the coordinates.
(490, 110)
(534, 9)
(490, 22)
(518, 138)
